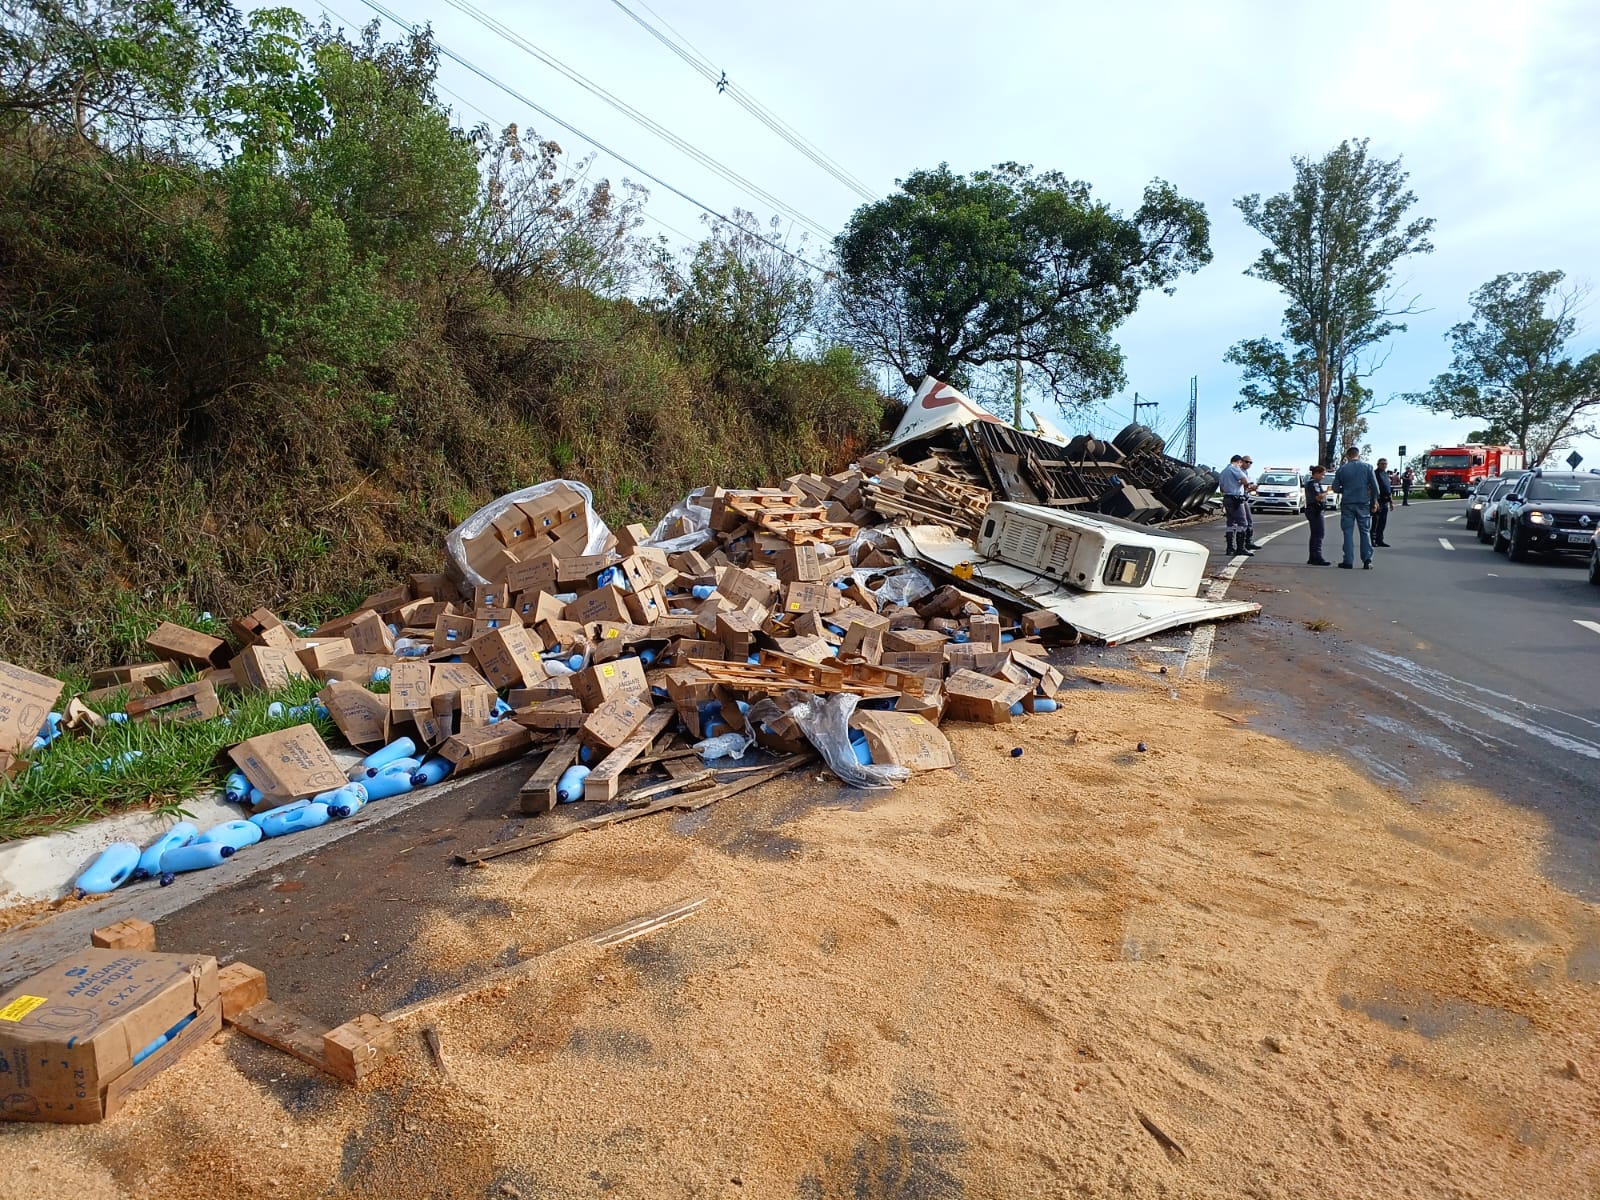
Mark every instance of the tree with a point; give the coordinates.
(1510, 368)
(955, 275)
(1334, 240)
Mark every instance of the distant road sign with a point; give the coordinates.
(1574, 459)
(1402, 451)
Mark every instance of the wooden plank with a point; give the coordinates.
(604, 780)
(538, 794)
(677, 783)
(284, 1029)
(616, 935)
(358, 1047)
(691, 802)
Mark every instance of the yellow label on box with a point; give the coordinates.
(608, 672)
(915, 718)
(611, 633)
(794, 606)
(20, 1007)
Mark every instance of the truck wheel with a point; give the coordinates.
(1432, 495)
(1516, 548)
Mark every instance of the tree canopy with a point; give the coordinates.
(1334, 240)
(1510, 367)
(956, 274)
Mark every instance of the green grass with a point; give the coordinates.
(67, 784)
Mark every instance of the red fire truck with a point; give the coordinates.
(1459, 469)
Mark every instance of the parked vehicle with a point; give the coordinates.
(1459, 469)
(1490, 517)
(1594, 559)
(1550, 512)
(1280, 488)
(1479, 498)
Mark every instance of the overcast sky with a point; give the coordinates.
(1494, 106)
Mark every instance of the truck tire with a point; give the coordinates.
(1433, 495)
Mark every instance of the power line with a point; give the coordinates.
(500, 29)
(703, 66)
(382, 11)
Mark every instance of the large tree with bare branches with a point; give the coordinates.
(1334, 240)
(1511, 369)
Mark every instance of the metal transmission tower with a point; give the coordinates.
(1138, 404)
(1188, 428)
(1191, 450)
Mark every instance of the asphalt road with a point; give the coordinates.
(1445, 661)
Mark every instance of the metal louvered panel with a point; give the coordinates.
(1019, 540)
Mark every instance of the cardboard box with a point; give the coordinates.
(594, 685)
(288, 764)
(904, 739)
(537, 572)
(808, 649)
(476, 705)
(970, 696)
(192, 702)
(536, 606)
(369, 635)
(575, 569)
(433, 587)
(267, 668)
(474, 749)
(427, 728)
(363, 718)
(490, 595)
(965, 656)
(737, 633)
(602, 604)
(801, 596)
(79, 1037)
(261, 628)
(25, 702)
(608, 726)
(985, 630)
(509, 657)
(738, 585)
(914, 639)
(451, 679)
(358, 668)
(421, 614)
(451, 631)
(411, 687)
(863, 638)
(562, 713)
(798, 564)
(929, 706)
(646, 605)
(683, 649)
(513, 528)
(183, 645)
(389, 599)
(115, 677)
(314, 655)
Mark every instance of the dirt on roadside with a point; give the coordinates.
(1219, 966)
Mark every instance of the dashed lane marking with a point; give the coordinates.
(1448, 520)
(1198, 660)
(1591, 626)
(1445, 542)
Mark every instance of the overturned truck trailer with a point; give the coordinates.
(1129, 477)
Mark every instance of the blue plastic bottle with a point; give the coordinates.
(392, 765)
(1043, 705)
(399, 748)
(647, 655)
(702, 591)
(575, 663)
(858, 743)
(180, 834)
(262, 816)
(255, 797)
(435, 770)
(162, 1040)
(290, 818)
(114, 867)
(1016, 709)
(236, 835)
(236, 788)
(556, 666)
(381, 674)
(569, 787)
(275, 709)
(585, 753)
(390, 783)
(196, 856)
(346, 801)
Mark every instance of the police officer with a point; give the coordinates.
(1316, 489)
(1380, 515)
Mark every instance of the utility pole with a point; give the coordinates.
(1192, 450)
(1138, 404)
(1017, 403)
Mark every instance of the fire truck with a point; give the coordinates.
(1459, 469)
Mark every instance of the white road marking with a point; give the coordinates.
(1591, 626)
(1445, 542)
(1198, 660)
(1457, 517)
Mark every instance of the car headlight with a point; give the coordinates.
(1538, 518)
(1479, 504)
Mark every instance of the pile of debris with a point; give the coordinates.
(794, 618)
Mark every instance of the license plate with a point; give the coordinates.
(1580, 539)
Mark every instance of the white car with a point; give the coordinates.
(1280, 488)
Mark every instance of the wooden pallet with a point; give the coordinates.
(779, 672)
(602, 782)
(538, 794)
(350, 1052)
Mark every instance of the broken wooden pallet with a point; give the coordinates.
(688, 801)
(538, 794)
(350, 1052)
(603, 781)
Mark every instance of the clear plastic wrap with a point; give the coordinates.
(696, 518)
(901, 585)
(825, 720)
(479, 522)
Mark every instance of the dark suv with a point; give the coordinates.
(1554, 512)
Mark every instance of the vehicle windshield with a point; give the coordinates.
(1501, 488)
(1449, 460)
(1487, 486)
(1279, 479)
(1583, 491)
